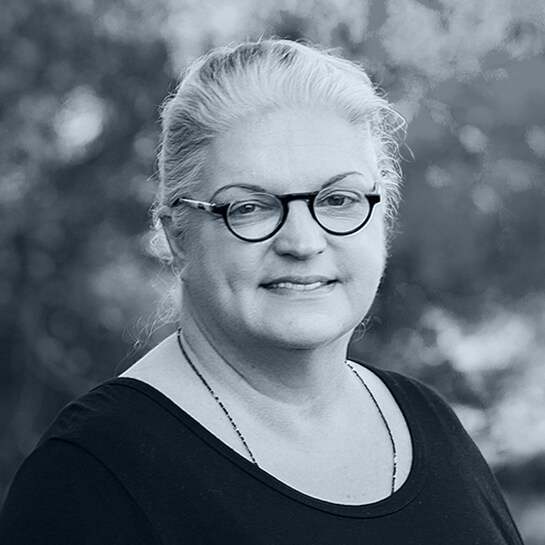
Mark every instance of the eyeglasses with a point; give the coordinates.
(257, 216)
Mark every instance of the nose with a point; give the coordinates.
(300, 237)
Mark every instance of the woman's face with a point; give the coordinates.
(302, 288)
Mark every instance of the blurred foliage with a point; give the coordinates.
(79, 91)
(462, 305)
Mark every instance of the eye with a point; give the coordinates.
(339, 199)
(244, 208)
(247, 208)
(257, 207)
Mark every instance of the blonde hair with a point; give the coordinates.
(230, 83)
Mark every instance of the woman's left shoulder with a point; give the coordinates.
(412, 394)
(394, 379)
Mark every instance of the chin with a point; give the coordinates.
(306, 332)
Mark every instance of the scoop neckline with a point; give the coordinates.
(405, 494)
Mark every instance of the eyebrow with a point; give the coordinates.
(257, 188)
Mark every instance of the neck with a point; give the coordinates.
(308, 380)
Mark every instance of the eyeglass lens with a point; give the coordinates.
(338, 210)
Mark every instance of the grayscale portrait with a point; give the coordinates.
(272, 272)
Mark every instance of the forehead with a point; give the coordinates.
(289, 151)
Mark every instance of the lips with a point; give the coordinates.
(298, 283)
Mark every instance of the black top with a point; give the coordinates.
(125, 465)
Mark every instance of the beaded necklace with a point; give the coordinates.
(241, 437)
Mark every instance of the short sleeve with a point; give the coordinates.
(62, 494)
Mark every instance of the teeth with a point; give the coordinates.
(298, 287)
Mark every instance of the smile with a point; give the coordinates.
(302, 285)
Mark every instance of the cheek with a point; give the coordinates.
(365, 262)
(221, 265)
(367, 272)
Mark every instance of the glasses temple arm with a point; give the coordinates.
(199, 205)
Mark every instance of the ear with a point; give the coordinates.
(175, 243)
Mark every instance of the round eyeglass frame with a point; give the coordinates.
(223, 210)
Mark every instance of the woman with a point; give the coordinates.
(278, 184)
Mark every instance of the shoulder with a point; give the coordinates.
(122, 408)
(160, 368)
(84, 477)
(106, 410)
(124, 423)
(408, 386)
(418, 401)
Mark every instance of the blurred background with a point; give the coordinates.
(463, 303)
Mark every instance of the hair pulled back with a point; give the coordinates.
(229, 84)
